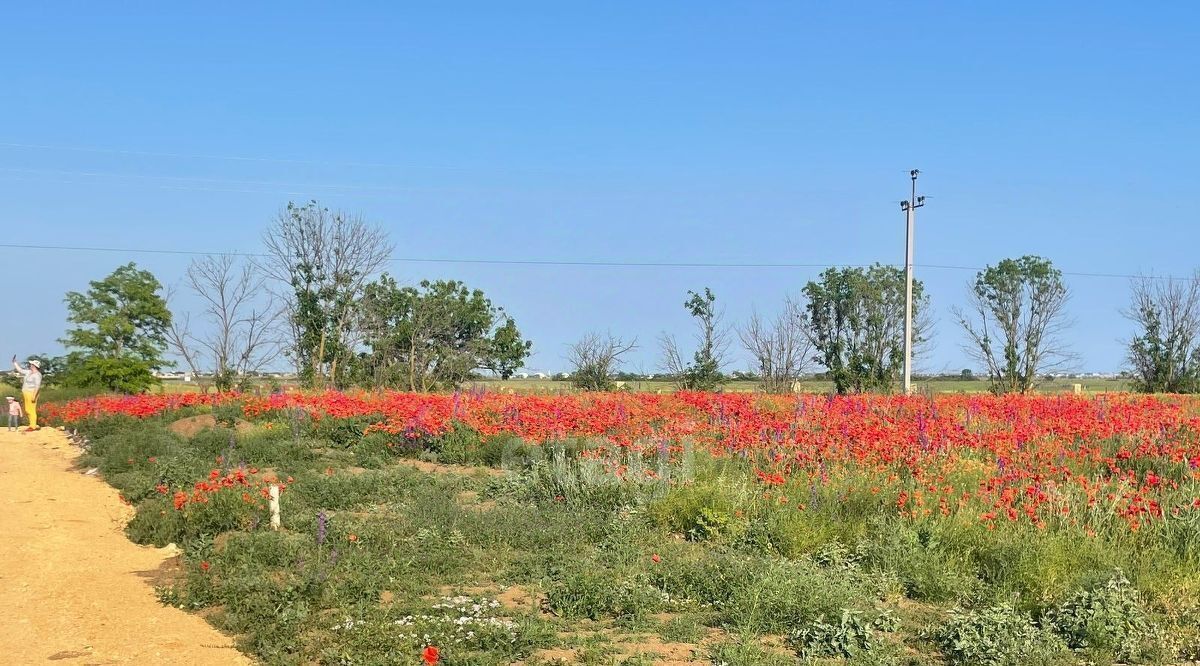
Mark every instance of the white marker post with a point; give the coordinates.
(274, 491)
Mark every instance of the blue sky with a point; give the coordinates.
(644, 132)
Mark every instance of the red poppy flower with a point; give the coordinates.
(431, 655)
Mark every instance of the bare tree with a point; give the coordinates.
(321, 262)
(672, 363)
(595, 358)
(1017, 312)
(781, 348)
(1163, 356)
(179, 338)
(241, 334)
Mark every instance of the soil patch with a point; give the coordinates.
(439, 468)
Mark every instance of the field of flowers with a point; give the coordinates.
(865, 529)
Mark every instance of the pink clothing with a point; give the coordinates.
(14, 408)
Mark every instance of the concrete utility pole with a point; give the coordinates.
(910, 212)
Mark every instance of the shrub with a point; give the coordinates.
(350, 491)
(228, 413)
(683, 629)
(763, 595)
(268, 448)
(344, 432)
(585, 482)
(99, 427)
(505, 451)
(1035, 567)
(789, 533)
(597, 594)
(458, 446)
(926, 566)
(746, 650)
(700, 512)
(849, 636)
(786, 594)
(1109, 621)
(998, 636)
(156, 523)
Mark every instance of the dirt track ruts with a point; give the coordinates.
(73, 588)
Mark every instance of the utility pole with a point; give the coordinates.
(910, 212)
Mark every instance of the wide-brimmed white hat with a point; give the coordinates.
(35, 363)
(8, 397)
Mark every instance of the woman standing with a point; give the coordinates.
(31, 386)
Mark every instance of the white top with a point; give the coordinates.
(32, 377)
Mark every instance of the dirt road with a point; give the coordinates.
(73, 589)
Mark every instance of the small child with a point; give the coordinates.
(15, 412)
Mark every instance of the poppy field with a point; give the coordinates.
(481, 527)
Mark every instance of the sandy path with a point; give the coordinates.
(73, 589)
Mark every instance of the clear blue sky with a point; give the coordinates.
(690, 131)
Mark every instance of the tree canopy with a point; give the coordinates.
(119, 335)
(855, 318)
(435, 335)
(1017, 311)
(1164, 355)
(321, 261)
(703, 372)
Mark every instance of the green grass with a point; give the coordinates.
(554, 554)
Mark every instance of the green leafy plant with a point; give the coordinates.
(998, 636)
(1110, 620)
(119, 334)
(595, 594)
(228, 413)
(851, 634)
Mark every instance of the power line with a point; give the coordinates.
(558, 262)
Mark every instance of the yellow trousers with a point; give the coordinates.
(31, 406)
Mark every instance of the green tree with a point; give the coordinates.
(703, 372)
(322, 261)
(508, 350)
(1017, 311)
(436, 335)
(855, 318)
(120, 332)
(1164, 356)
